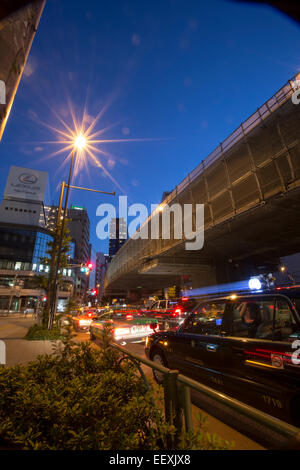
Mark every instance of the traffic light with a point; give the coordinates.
(86, 268)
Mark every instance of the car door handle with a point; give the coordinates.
(211, 347)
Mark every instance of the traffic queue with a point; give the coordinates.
(244, 344)
(131, 323)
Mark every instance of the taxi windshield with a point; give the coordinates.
(206, 318)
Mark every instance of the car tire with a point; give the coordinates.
(295, 411)
(92, 336)
(159, 358)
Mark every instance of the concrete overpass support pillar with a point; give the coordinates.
(134, 296)
(204, 278)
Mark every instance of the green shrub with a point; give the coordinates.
(37, 332)
(80, 398)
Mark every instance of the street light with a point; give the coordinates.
(79, 143)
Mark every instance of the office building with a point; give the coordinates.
(102, 261)
(79, 227)
(117, 235)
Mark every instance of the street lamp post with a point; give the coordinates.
(79, 144)
(54, 290)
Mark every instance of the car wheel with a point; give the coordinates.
(159, 359)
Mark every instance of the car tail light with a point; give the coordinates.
(177, 311)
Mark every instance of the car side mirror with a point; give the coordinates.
(153, 326)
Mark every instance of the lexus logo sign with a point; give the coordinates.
(26, 178)
(25, 183)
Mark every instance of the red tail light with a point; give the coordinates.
(177, 311)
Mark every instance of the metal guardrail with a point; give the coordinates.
(177, 401)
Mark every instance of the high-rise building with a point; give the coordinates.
(79, 227)
(117, 235)
(102, 261)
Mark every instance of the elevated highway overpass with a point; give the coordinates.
(250, 188)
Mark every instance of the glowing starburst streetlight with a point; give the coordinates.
(80, 142)
(80, 134)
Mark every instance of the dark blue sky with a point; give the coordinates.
(184, 72)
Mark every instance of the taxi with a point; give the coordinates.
(83, 319)
(125, 327)
(171, 313)
(246, 345)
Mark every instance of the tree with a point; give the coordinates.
(72, 305)
(47, 281)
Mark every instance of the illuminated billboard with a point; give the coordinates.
(25, 184)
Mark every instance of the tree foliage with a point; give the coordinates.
(46, 281)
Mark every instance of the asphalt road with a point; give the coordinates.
(14, 327)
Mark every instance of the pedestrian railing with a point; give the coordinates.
(177, 401)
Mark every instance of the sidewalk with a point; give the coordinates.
(5, 314)
(18, 350)
(21, 351)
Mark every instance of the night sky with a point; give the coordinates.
(180, 74)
